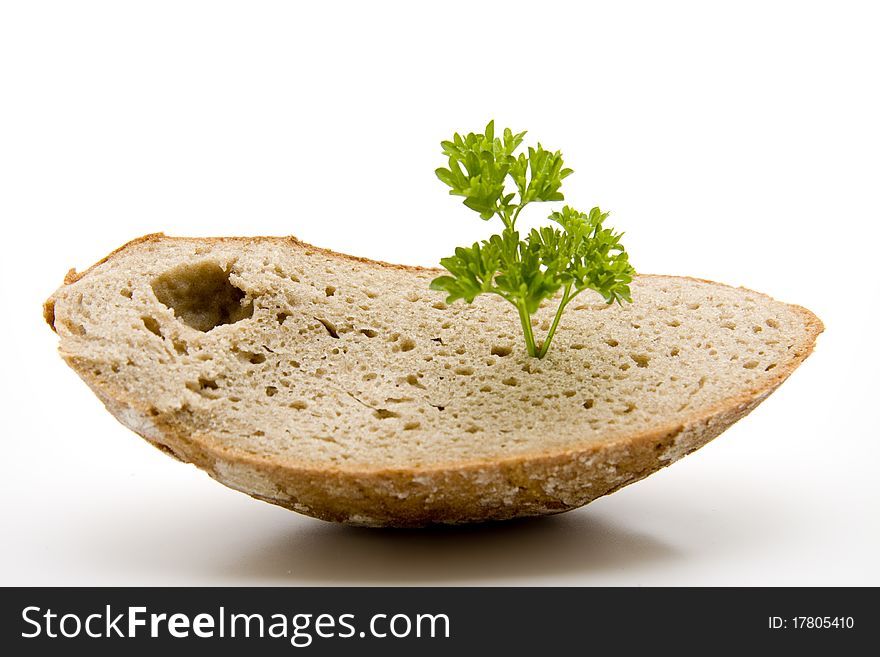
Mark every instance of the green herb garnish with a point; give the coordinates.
(582, 255)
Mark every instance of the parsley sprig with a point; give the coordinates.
(581, 254)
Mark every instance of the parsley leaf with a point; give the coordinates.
(473, 272)
(582, 255)
(478, 166)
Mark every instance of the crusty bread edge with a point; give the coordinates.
(527, 484)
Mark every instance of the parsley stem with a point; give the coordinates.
(515, 215)
(503, 216)
(526, 323)
(565, 299)
(509, 222)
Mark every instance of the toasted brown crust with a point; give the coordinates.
(524, 485)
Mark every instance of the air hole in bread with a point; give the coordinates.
(370, 333)
(750, 364)
(271, 391)
(205, 386)
(202, 296)
(74, 327)
(611, 342)
(329, 291)
(329, 326)
(588, 404)
(627, 409)
(152, 325)
(251, 357)
(641, 360)
(501, 350)
(407, 344)
(385, 414)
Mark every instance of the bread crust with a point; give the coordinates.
(536, 483)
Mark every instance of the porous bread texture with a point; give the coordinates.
(346, 389)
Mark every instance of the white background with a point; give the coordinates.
(735, 142)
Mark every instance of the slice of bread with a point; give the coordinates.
(345, 389)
